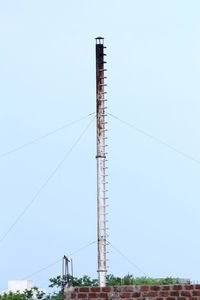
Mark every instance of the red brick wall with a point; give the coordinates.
(136, 292)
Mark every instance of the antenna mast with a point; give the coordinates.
(101, 160)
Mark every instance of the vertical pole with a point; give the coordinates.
(101, 158)
(63, 276)
(72, 272)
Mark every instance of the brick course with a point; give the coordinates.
(134, 292)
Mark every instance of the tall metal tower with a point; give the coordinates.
(101, 159)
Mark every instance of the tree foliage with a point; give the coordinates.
(72, 281)
(27, 294)
(111, 280)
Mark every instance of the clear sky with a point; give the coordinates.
(47, 75)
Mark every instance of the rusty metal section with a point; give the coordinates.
(101, 159)
(65, 274)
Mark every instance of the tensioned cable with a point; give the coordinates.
(156, 139)
(43, 136)
(127, 259)
(59, 260)
(46, 181)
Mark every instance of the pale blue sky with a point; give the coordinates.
(47, 77)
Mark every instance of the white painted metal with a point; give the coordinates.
(101, 160)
